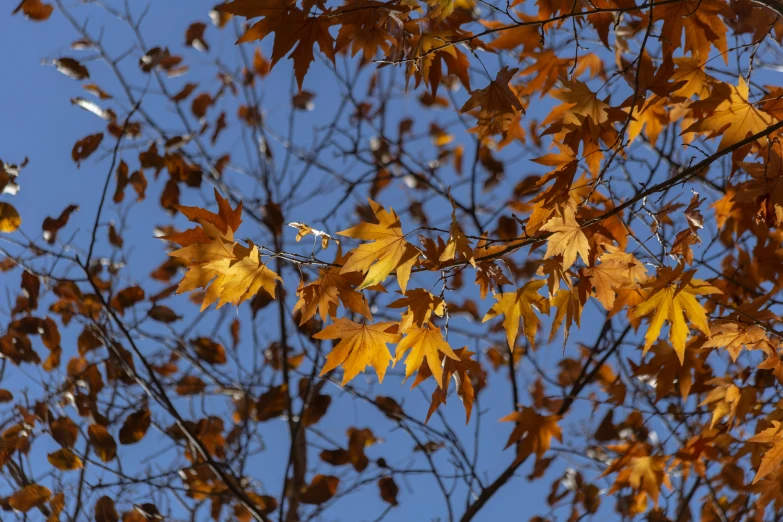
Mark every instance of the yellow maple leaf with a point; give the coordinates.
(387, 250)
(240, 278)
(230, 272)
(425, 343)
(616, 271)
(360, 345)
(567, 239)
(646, 474)
(671, 299)
(197, 256)
(457, 243)
(533, 432)
(420, 305)
(323, 295)
(464, 370)
(518, 305)
(650, 118)
(580, 103)
(691, 78)
(734, 335)
(774, 456)
(733, 119)
(568, 307)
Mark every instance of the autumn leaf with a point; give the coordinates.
(102, 442)
(568, 307)
(645, 474)
(672, 298)
(733, 336)
(617, 270)
(425, 343)
(321, 489)
(519, 306)
(533, 432)
(670, 372)
(135, 427)
(292, 27)
(581, 104)
(360, 345)
(331, 288)
(464, 370)
(388, 490)
(9, 218)
(230, 272)
(420, 306)
(774, 455)
(35, 10)
(495, 105)
(386, 251)
(457, 243)
(105, 511)
(700, 24)
(29, 497)
(84, 148)
(240, 277)
(566, 238)
(729, 114)
(65, 460)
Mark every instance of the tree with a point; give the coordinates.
(559, 222)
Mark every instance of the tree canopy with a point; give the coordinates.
(377, 260)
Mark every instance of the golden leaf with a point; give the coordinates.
(519, 305)
(387, 250)
(360, 345)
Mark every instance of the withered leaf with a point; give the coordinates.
(85, 147)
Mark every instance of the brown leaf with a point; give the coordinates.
(272, 404)
(200, 104)
(163, 314)
(321, 489)
(388, 489)
(32, 288)
(190, 385)
(105, 510)
(64, 431)
(102, 442)
(126, 298)
(389, 407)
(35, 10)
(495, 105)
(85, 147)
(135, 427)
(194, 36)
(51, 226)
(209, 351)
(186, 91)
(72, 68)
(29, 497)
(97, 91)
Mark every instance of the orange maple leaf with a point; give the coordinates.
(729, 114)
